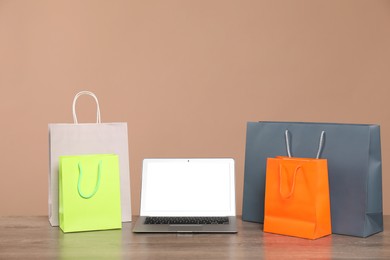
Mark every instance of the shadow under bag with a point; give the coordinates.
(354, 159)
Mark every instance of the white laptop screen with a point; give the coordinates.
(188, 187)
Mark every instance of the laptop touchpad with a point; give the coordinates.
(185, 228)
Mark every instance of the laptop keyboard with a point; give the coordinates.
(186, 220)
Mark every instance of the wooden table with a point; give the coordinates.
(34, 238)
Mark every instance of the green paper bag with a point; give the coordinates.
(89, 193)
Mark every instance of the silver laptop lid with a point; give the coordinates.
(188, 187)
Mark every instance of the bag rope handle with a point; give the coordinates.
(293, 183)
(89, 93)
(320, 146)
(96, 185)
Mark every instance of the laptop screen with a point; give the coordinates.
(188, 187)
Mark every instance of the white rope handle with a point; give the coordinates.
(320, 146)
(89, 93)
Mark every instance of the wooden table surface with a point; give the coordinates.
(34, 238)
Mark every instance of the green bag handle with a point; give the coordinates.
(97, 182)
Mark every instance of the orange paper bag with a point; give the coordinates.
(297, 196)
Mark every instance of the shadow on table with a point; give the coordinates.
(94, 244)
(282, 247)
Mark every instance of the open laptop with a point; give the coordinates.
(187, 195)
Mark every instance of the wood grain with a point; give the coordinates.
(34, 238)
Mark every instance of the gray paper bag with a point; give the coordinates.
(94, 138)
(354, 164)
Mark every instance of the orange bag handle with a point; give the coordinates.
(293, 182)
(320, 146)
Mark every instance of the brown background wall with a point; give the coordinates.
(185, 75)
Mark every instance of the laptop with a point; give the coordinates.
(187, 195)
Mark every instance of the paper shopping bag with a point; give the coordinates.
(297, 197)
(353, 152)
(88, 138)
(89, 193)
